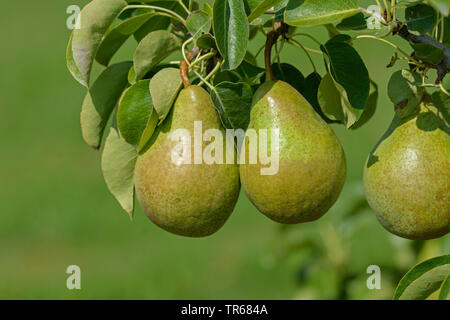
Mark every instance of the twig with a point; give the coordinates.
(444, 66)
(299, 45)
(279, 29)
(172, 13)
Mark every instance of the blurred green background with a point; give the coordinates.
(55, 209)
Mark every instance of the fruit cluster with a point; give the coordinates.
(218, 83)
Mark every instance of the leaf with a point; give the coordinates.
(226, 76)
(443, 6)
(348, 69)
(118, 162)
(420, 18)
(95, 19)
(233, 101)
(369, 109)
(117, 36)
(310, 91)
(198, 24)
(279, 9)
(444, 293)
(155, 23)
(442, 102)
(135, 108)
(356, 22)
(308, 13)
(404, 92)
(149, 130)
(249, 72)
(231, 30)
(73, 69)
(262, 7)
(154, 48)
(290, 74)
(330, 99)
(164, 88)
(428, 53)
(206, 42)
(101, 100)
(423, 279)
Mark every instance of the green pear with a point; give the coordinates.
(186, 199)
(407, 175)
(312, 165)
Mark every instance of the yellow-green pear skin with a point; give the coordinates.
(312, 165)
(192, 200)
(407, 176)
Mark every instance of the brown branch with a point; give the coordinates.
(444, 66)
(184, 68)
(279, 29)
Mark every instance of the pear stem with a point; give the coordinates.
(279, 29)
(184, 66)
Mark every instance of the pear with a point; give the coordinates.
(407, 175)
(312, 165)
(192, 200)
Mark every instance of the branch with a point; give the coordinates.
(444, 66)
(184, 66)
(279, 29)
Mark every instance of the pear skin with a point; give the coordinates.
(407, 176)
(312, 165)
(192, 200)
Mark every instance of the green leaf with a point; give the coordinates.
(155, 23)
(233, 101)
(118, 162)
(329, 99)
(164, 88)
(446, 39)
(206, 42)
(443, 6)
(308, 13)
(226, 76)
(250, 73)
(444, 293)
(290, 74)
(442, 102)
(310, 91)
(369, 109)
(423, 279)
(262, 7)
(348, 69)
(154, 48)
(135, 108)
(95, 19)
(73, 69)
(356, 22)
(100, 101)
(428, 53)
(279, 9)
(404, 92)
(420, 18)
(149, 130)
(231, 30)
(117, 36)
(198, 24)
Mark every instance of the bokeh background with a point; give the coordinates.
(55, 209)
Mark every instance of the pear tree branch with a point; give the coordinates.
(444, 66)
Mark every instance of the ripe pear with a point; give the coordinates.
(312, 165)
(407, 175)
(192, 200)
